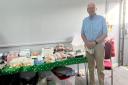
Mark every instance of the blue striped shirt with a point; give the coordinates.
(94, 27)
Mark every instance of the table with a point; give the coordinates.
(43, 67)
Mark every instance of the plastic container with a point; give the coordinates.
(65, 81)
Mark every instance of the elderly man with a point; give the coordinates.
(93, 33)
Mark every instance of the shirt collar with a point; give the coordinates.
(92, 17)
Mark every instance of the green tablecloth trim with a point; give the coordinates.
(42, 67)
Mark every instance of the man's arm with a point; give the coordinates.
(104, 30)
(84, 38)
(101, 38)
(88, 44)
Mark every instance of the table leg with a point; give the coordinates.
(78, 69)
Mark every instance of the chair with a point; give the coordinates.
(109, 53)
(108, 66)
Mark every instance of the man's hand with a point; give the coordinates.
(90, 44)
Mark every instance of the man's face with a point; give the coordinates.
(91, 9)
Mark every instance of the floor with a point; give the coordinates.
(120, 77)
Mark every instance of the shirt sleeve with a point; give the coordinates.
(105, 31)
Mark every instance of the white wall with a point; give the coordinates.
(41, 21)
